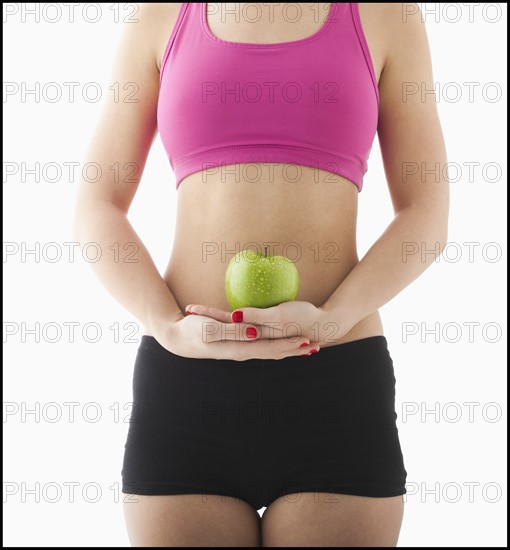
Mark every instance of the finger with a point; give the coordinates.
(310, 349)
(214, 331)
(261, 349)
(257, 316)
(214, 313)
(271, 332)
(268, 331)
(279, 349)
(238, 332)
(282, 348)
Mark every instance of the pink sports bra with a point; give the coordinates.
(311, 102)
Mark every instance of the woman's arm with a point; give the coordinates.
(120, 146)
(414, 159)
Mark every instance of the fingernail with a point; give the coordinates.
(188, 312)
(237, 317)
(304, 344)
(251, 332)
(191, 312)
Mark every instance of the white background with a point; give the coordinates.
(445, 453)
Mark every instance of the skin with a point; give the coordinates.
(226, 211)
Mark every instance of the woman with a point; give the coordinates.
(267, 113)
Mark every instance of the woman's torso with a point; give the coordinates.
(307, 214)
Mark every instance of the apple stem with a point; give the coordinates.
(265, 252)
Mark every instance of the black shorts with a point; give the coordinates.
(260, 429)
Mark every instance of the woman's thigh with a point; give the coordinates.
(322, 519)
(191, 521)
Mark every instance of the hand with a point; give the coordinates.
(202, 337)
(286, 320)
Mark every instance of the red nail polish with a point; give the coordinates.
(188, 312)
(314, 350)
(304, 344)
(251, 332)
(237, 316)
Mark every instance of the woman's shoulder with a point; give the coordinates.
(391, 17)
(391, 28)
(390, 12)
(155, 10)
(154, 22)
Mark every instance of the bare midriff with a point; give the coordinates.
(305, 214)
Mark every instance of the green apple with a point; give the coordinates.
(259, 280)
